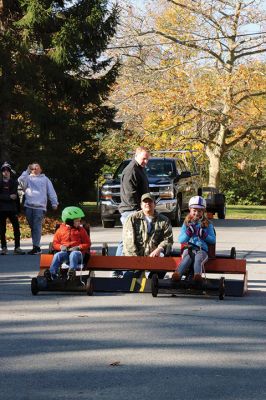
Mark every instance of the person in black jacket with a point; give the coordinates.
(134, 183)
(9, 208)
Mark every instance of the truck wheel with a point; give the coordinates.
(154, 285)
(34, 286)
(219, 201)
(221, 212)
(177, 220)
(108, 224)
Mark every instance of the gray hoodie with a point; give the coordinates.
(37, 189)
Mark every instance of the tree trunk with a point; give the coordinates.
(214, 167)
(4, 138)
(5, 117)
(5, 114)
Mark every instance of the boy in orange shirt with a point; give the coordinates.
(71, 241)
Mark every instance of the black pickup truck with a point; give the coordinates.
(172, 182)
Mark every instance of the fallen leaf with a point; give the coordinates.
(115, 364)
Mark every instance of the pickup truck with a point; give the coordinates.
(172, 183)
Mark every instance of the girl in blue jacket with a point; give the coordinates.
(197, 232)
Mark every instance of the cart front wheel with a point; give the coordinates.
(89, 287)
(154, 285)
(34, 286)
(221, 289)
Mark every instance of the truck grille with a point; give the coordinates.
(116, 194)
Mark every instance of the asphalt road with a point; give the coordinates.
(62, 346)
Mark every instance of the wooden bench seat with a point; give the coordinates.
(109, 263)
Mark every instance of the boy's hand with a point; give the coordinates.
(63, 248)
(74, 248)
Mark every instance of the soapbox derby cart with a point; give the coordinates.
(225, 275)
(80, 282)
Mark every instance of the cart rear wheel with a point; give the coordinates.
(34, 286)
(221, 289)
(105, 249)
(89, 287)
(154, 285)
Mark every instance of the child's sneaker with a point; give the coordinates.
(198, 278)
(176, 277)
(71, 274)
(47, 275)
(118, 274)
(4, 251)
(50, 277)
(19, 251)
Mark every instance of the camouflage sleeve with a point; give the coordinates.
(129, 247)
(168, 236)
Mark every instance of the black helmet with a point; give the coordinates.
(6, 165)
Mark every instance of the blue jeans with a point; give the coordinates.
(119, 250)
(198, 260)
(124, 215)
(34, 218)
(73, 258)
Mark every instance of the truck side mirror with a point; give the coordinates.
(185, 174)
(108, 176)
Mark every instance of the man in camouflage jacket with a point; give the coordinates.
(147, 233)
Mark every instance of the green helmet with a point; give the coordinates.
(72, 213)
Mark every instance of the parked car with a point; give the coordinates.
(172, 180)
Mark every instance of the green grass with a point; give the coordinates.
(245, 212)
(232, 212)
(90, 206)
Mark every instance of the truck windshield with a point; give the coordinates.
(160, 168)
(154, 168)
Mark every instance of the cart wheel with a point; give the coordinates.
(34, 286)
(221, 289)
(89, 287)
(105, 249)
(233, 253)
(154, 285)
